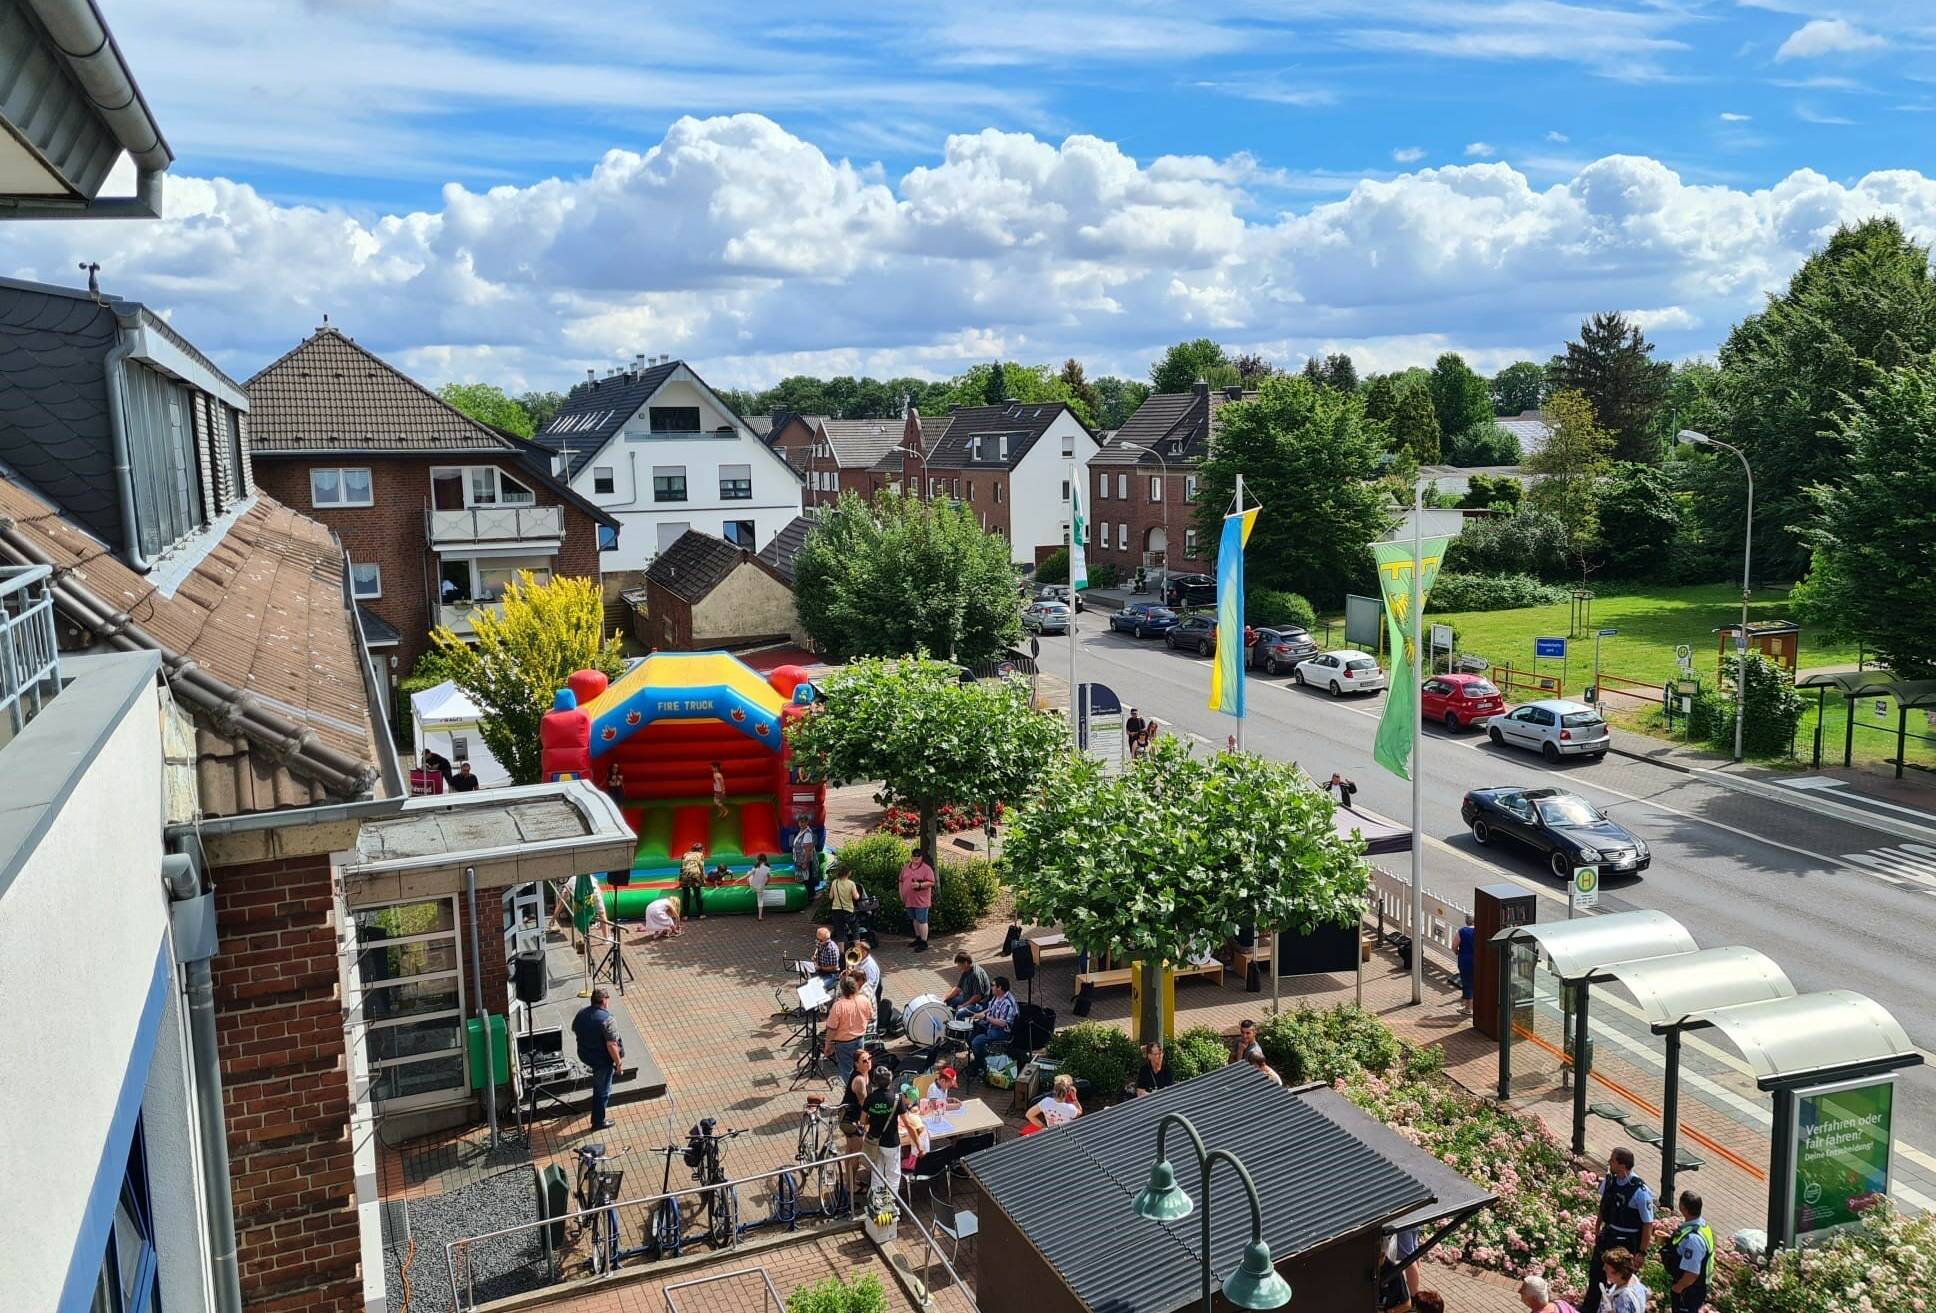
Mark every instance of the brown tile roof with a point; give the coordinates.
(262, 612)
(329, 394)
(695, 564)
(1179, 426)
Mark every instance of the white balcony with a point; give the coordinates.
(456, 616)
(498, 526)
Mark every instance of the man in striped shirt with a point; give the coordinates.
(996, 1024)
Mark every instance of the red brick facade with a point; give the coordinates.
(393, 533)
(279, 1028)
(1119, 495)
(797, 441)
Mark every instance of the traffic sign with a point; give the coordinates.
(1584, 892)
(1550, 647)
(1442, 637)
(1609, 633)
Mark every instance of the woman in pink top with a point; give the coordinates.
(917, 895)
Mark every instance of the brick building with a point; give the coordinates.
(861, 456)
(436, 511)
(703, 593)
(1143, 483)
(1010, 465)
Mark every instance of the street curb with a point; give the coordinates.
(1802, 798)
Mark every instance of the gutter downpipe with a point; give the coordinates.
(116, 371)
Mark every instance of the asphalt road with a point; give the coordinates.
(1734, 868)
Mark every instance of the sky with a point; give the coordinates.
(497, 191)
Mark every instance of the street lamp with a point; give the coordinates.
(1255, 1283)
(1689, 438)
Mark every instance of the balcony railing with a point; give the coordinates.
(29, 652)
(496, 524)
(456, 616)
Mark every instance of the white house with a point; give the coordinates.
(1010, 463)
(444, 720)
(657, 449)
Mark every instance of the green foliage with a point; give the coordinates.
(432, 669)
(1774, 710)
(1530, 542)
(487, 404)
(1083, 395)
(1340, 372)
(518, 660)
(1178, 851)
(1612, 366)
(1692, 402)
(1307, 454)
(1484, 443)
(1875, 539)
(1567, 471)
(930, 738)
(842, 398)
(1485, 492)
(1519, 387)
(863, 1294)
(1414, 427)
(1460, 398)
(1186, 362)
(1454, 592)
(990, 384)
(1861, 306)
(1424, 1060)
(1274, 607)
(1054, 568)
(1104, 575)
(1308, 1045)
(1098, 1053)
(1196, 1052)
(1120, 397)
(963, 891)
(1640, 521)
(900, 574)
(542, 407)
(1883, 1263)
(1381, 399)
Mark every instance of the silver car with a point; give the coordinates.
(1046, 618)
(1554, 729)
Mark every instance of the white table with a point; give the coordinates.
(973, 1117)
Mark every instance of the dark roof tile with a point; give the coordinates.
(694, 565)
(1022, 421)
(330, 395)
(785, 547)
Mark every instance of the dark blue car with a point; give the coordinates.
(1143, 619)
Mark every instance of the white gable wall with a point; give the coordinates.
(1039, 514)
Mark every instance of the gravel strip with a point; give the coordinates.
(503, 1266)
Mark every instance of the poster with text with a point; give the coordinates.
(1842, 1140)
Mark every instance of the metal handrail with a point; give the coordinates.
(773, 1300)
(29, 646)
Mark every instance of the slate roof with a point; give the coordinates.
(328, 394)
(695, 564)
(377, 632)
(1165, 419)
(1317, 1182)
(1022, 421)
(785, 548)
(596, 410)
(860, 444)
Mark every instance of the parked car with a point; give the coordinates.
(1046, 618)
(1143, 619)
(1058, 593)
(1460, 700)
(1562, 827)
(1190, 590)
(1277, 650)
(1554, 729)
(1192, 633)
(1346, 670)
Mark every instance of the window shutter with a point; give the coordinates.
(204, 454)
(242, 444)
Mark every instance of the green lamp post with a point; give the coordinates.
(1255, 1283)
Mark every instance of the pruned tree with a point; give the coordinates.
(1567, 471)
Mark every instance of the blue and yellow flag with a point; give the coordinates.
(1227, 675)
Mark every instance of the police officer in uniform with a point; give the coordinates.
(1689, 1257)
(1626, 1220)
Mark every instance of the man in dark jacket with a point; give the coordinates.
(600, 1049)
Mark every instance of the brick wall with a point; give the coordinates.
(490, 946)
(1143, 515)
(393, 534)
(279, 1030)
(978, 493)
(669, 624)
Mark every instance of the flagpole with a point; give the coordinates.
(1238, 638)
(1418, 735)
(1075, 689)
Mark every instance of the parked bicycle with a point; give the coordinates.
(822, 1188)
(597, 1192)
(717, 1197)
(665, 1229)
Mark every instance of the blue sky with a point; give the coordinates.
(497, 189)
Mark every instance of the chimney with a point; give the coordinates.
(638, 364)
(1201, 388)
(1233, 392)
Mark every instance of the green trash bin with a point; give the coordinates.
(500, 1051)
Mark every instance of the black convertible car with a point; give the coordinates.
(1563, 827)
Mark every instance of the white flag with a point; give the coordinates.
(1078, 533)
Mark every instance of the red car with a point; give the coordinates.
(1458, 701)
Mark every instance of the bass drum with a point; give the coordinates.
(926, 1020)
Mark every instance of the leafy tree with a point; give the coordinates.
(1186, 362)
(1530, 542)
(1340, 372)
(520, 659)
(487, 404)
(995, 388)
(1483, 492)
(1025, 383)
(1640, 520)
(1176, 853)
(1120, 397)
(1567, 471)
(899, 575)
(1415, 426)
(1859, 307)
(1460, 398)
(1612, 366)
(1082, 390)
(1313, 372)
(542, 407)
(1482, 444)
(1875, 535)
(1692, 402)
(1519, 387)
(1307, 454)
(1252, 367)
(933, 740)
(1381, 399)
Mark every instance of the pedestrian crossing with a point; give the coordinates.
(1910, 865)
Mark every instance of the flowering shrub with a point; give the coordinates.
(950, 819)
(1888, 1262)
(1305, 1044)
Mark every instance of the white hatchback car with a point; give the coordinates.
(1554, 729)
(1346, 670)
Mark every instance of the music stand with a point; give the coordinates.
(613, 966)
(814, 995)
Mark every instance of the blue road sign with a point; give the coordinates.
(1608, 633)
(1550, 647)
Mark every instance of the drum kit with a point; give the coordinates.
(926, 1020)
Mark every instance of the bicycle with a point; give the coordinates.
(819, 1143)
(721, 1201)
(597, 1192)
(665, 1229)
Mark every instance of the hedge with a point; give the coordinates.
(1098, 1053)
(1275, 608)
(964, 890)
(1493, 592)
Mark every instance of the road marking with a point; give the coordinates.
(1903, 864)
(1829, 785)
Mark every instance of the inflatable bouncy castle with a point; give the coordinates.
(659, 728)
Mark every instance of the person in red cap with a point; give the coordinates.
(944, 1092)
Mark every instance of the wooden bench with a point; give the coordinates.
(1121, 975)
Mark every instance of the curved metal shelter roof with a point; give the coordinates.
(1580, 948)
(1671, 988)
(1788, 1038)
(1910, 693)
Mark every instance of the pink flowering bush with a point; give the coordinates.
(1886, 1263)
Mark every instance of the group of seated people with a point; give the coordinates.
(987, 1001)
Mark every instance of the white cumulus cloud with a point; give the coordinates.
(749, 250)
(1409, 154)
(1480, 150)
(1729, 117)
(1827, 36)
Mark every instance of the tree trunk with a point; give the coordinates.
(1154, 1016)
(930, 834)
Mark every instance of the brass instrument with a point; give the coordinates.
(852, 957)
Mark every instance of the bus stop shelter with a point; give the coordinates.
(1854, 685)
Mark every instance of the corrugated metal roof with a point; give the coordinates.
(1071, 1190)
